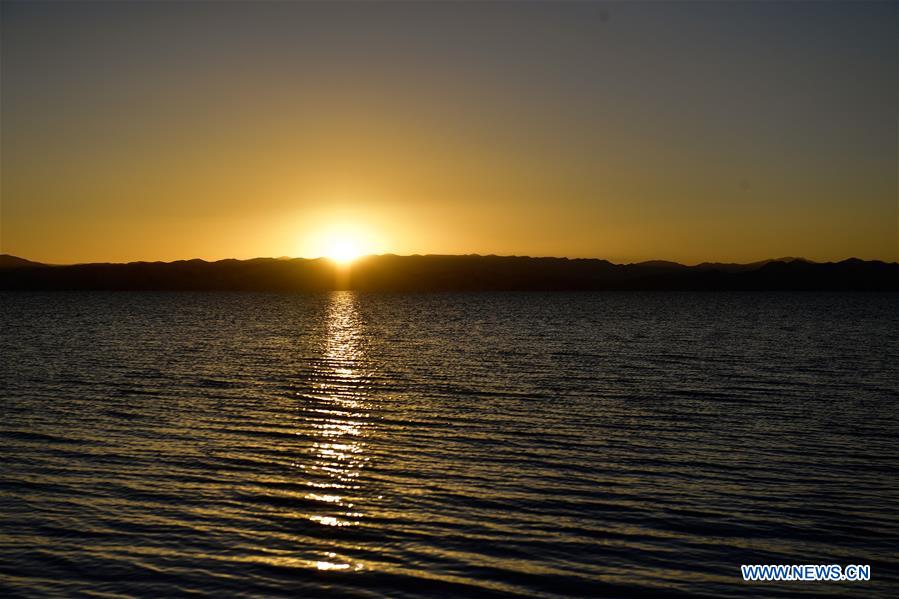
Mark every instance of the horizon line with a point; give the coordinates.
(473, 255)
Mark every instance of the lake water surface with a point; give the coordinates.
(541, 445)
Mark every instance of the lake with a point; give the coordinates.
(411, 445)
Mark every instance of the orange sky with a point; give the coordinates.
(689, 131)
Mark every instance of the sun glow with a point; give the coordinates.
(339, 240)
(343, 250)
(341, 243)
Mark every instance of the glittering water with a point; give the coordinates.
(446, 444)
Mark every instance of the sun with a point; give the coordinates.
(342, 243)
(343, 250)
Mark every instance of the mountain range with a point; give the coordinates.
(448, 273)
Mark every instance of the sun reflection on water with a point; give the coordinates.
(337, 412)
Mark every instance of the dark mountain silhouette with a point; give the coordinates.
(450, 273)
(734, 267)
(7, 261)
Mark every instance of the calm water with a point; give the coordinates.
(417, 445)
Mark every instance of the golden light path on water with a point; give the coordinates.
(339, 423)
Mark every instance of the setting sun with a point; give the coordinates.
(343, 250)
(342, 243)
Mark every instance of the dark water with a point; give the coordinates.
(446, 445)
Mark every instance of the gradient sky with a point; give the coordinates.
(688, 131)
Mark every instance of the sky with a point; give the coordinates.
(687, 131)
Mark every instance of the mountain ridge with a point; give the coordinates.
(440, 272)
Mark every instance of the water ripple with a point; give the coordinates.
(538, 445)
